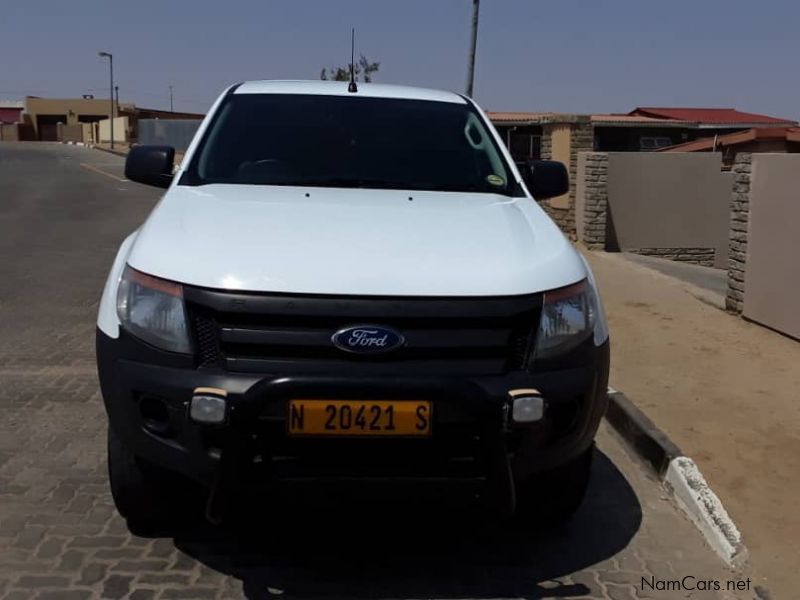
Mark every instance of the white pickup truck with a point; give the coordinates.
(350, 287)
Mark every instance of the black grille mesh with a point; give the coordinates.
(206, 335)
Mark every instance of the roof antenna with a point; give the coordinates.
(352, 87)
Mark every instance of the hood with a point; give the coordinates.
(354, 242)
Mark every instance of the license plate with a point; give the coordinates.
(404, 418)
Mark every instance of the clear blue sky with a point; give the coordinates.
(564, 55)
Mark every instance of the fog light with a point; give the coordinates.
(528, 409)
(208, 406)
(527, 406)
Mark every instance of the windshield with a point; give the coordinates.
(344, 141)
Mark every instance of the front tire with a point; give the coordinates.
(140, 491)
(551, 498)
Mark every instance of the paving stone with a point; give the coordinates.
(117, 553)
(72, 560)
(587, 579)
(163, 578)
(64, 595)
(50, 548)
(17, 595)
(30, 537)
(162, 547)
(142, 595)
(116, 586)
(100, 541)
(183, 563)
(92, 573)
(621, 577)
(40, 581)
(135, 566)
(618, 592)
(80, 504)
(190, 593)
(11, 526)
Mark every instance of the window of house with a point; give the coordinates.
(654, 143)
(524, 146)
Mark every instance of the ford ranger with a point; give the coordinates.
(350, 285)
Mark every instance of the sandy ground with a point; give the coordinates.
(726, 391)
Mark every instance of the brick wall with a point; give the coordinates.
(737, 247)
(546, 143)
(697, 256)
(581, 140)
(594, 201)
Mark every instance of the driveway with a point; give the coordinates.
(63, 212)
(714, 281)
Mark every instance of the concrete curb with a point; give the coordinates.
(647, 440)
(680, 477)
(109, 150)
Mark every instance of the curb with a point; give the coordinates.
(647, 440)
(680, 476)
(109, 150)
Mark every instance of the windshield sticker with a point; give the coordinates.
(495, 180)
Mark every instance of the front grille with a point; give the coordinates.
(271, 333)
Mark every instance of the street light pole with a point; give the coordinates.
(170, 99)
(472, 47)
(110, 58)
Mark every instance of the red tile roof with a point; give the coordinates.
(711, 116)
(636, 121)
(790, 134)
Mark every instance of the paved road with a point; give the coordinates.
(63, 211)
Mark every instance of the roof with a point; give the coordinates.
(637, 121)
(339, 88)
(711, 116)
(790, 134)
(159, 113)
(517, 118)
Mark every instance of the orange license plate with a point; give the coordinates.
(355, 418)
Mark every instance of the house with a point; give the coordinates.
(11, 111)
(45, 114)
(757, 139)
(521, 132)
(559, 136)
(647, 129)
(643, 129)
(11, 126)
(57, 119)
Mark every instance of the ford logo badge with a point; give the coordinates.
(367, 339)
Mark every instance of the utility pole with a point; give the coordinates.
(110, 90)
(472, 46)
(170, 99)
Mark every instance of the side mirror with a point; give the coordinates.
(150, 165)
(545, 178)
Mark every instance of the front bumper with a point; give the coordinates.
(147, 394)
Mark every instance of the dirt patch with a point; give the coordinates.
(726, 391)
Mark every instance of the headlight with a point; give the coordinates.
(568, 319)
(152, 309)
